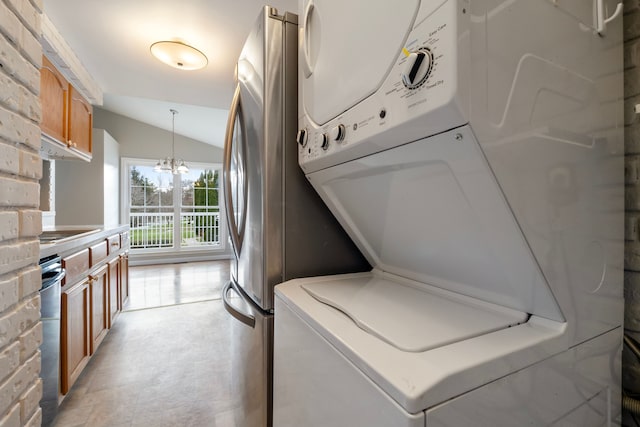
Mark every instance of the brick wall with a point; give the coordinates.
(20, 219)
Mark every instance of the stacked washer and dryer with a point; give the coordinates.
(473, 150)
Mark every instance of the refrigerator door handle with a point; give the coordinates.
(236, 239)
(245, 318)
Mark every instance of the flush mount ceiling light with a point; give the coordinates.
(179, 55)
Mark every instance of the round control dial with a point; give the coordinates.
(338, 133)
(325, 142)
(417, 69)
(302, 137)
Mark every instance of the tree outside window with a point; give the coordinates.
(158, 202)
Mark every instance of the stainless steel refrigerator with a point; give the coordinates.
(279, 227)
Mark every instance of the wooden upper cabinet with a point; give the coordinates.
(54, 95)
(67, 117)
(80, 122)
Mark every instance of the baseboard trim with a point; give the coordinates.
(173, 258)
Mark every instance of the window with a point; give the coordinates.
(200, 210)
(173, 212)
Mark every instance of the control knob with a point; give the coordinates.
(325, 142)
(302, 137)
(337, 133)
(417, 69)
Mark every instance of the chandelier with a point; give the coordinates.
(170, 164)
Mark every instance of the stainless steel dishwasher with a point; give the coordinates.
(52, 275)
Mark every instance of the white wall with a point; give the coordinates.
(111, 179)
(88, 193)
(141, 141)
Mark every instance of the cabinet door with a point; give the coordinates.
(124, 279)
(74, 334)
(80, 122)
(54, 90)
(114, 291)
(99, 307)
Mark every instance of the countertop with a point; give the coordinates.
(71, 244)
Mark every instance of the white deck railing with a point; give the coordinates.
(155, 230)
(200, 228)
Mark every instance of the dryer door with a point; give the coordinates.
(343, 64)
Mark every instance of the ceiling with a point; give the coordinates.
(112, 39)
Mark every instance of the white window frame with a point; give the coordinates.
(222, 248)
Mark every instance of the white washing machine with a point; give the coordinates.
(476, 161)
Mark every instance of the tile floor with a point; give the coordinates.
(167, 365)
(170, 284)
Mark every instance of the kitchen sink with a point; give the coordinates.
(56, 236)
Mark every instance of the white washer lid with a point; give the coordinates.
(416, 380)
(412, 318)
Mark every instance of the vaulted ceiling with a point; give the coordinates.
(112, 39)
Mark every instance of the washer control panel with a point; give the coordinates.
(417, 99)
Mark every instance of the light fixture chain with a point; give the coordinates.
(173, 133)
(171, 164)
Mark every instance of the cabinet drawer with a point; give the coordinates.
(124, 239)
(114, 243)
(97, 253)
(75, 265)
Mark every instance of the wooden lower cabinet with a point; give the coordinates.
(99, 309)
(74, 334)
(124, 279)
(114, 290)
(93, 295)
